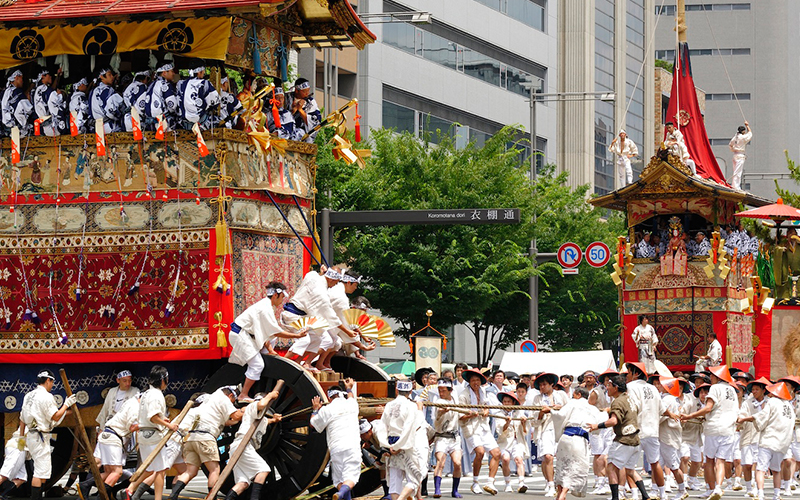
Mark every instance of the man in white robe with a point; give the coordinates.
(252, 331)
(572, 452)
(738, 145)
(311, 299)
(408, 463)
(339, 420)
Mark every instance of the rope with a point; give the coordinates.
(644, 59)
(724, 66)
(310, 231)
(286, 220)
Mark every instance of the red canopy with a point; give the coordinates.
(690, 121)
(776, 211)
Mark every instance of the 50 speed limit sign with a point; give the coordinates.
(598, 254)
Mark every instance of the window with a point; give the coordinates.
(727, 97)
(671, 10)
(449, 54)
(398, 117)
(669, 55)
(530, 12)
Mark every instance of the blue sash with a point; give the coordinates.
(293, 309)
(576, 431)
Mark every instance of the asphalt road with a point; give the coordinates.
(197, 490)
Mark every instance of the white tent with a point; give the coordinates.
(561, 363)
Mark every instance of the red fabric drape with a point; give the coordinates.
(763, 357)
(219, 301)
(690, 122)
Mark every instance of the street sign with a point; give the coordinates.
(426, 217)
(598, 254)
(569, 255)
(528, 346)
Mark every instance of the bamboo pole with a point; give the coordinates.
(84, 438)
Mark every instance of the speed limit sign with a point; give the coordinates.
(598, 254)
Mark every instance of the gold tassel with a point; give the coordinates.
(221, 340)
(223, 240)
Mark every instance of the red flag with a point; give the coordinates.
(684, 112)
(201, 143)
(73, 123)
(100, 136)
(162, 125)
(37, 126)
(15, 145)
(136, 124)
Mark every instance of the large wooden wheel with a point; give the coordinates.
(296, 453)
(358, 369)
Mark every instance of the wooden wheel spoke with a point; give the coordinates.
(289, 446)
(294, 424)
(286, 403)
(297, 436)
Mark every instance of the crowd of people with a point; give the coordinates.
(42, 104)
(652, 245)
(735, 429)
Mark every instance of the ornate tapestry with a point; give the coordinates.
(168, 164)
(740, 337)
(681, 336)
(715, 211)
(261, 258)
(37, 271)
(272, 45)
(675, 300)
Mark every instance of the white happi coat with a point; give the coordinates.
(258, 325)
(113, 403)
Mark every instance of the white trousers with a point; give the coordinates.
(624, 171)
(738, 170)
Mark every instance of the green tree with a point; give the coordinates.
(576, 312)
(476, 275)
(789, 197)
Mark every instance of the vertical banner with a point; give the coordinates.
(428, 353)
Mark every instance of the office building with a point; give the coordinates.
(603, 49)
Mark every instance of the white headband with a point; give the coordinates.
(330, 273)
(199, 399)
(103, 72)
(333, 392)
(278, 90)
(141, 73)
(165, 67)
(364, 426)
(82, 81)
(445, 383)
(45, 374)
(303, 86)
(346, 278)
(42, 75)
(124, 373)
(197, 70)
(224, 79)
(273, 291)
(404, 385)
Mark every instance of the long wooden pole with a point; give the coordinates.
(87, 445)
(149, 460)
(240, 450)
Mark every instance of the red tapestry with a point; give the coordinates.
(681, 336)
(110, 315)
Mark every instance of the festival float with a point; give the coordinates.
(133, 249)
(748, 300)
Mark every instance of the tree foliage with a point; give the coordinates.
(476, 275)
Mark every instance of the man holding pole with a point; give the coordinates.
(40, 414)
(153, 422)
(251, 467)
(624, 149)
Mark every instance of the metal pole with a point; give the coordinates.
(326, 80)
(326, 235)
(533, 282)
